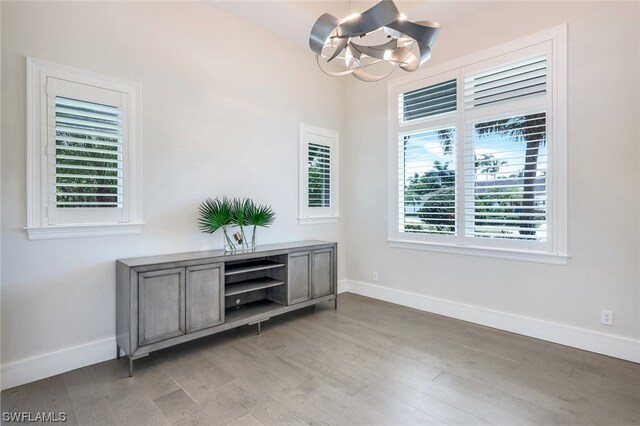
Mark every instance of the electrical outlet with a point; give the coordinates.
(375, 277)
(606, 317)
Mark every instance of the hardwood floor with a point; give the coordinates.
(369, 363)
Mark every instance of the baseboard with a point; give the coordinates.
(589, 340)
(53, 363)
(47, 365)
(342, 286)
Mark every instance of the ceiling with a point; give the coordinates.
(293, 19)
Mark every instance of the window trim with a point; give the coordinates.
(308, 215)
(37, 160)
(557, 129)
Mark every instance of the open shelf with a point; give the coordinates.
(251, 285)
(252, 266)
(250, 309)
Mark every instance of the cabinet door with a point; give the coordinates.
(205, 296)
(161, 305)
(322, 282)
(299, 277)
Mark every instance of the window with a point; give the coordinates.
(478, 154)
(318, 175)
(83, 172)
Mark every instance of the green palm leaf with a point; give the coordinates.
(239, 210)
(214, 214)
(260, 215)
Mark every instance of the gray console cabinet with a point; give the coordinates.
(162, 301)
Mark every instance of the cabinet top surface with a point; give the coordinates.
(221, 255)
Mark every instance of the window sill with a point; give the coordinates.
(81, 231)
(318, 219)
(518, 255)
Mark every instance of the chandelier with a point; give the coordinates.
(371, 45)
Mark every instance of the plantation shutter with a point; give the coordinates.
(506, 155)
(428, 101)
(88, 158)
(514, 81)
(87, 133)
(427, 182)
(506, 188)
(319, 175)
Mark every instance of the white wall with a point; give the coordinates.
(604, 197)
(222, 118)
(221, 103)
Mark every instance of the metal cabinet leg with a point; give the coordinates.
(130, 367)
(335, 303)
(258, 325)
(118, 356)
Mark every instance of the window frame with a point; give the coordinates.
(39, 156)
(313, 215)
(554, 42)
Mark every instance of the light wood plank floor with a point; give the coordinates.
(369, 363)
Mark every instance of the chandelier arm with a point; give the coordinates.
(333, 73)
(360, 70)
(354, 52)
(362, 75)
(373, 52)
(391, 32)
(376, 51)
(390, 45)
(321, 31)
(341, 44)
(423, 33)
(400, 54)
(370, 20)
(412, 62)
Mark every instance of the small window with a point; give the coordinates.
(318, 175)
(83, 172)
